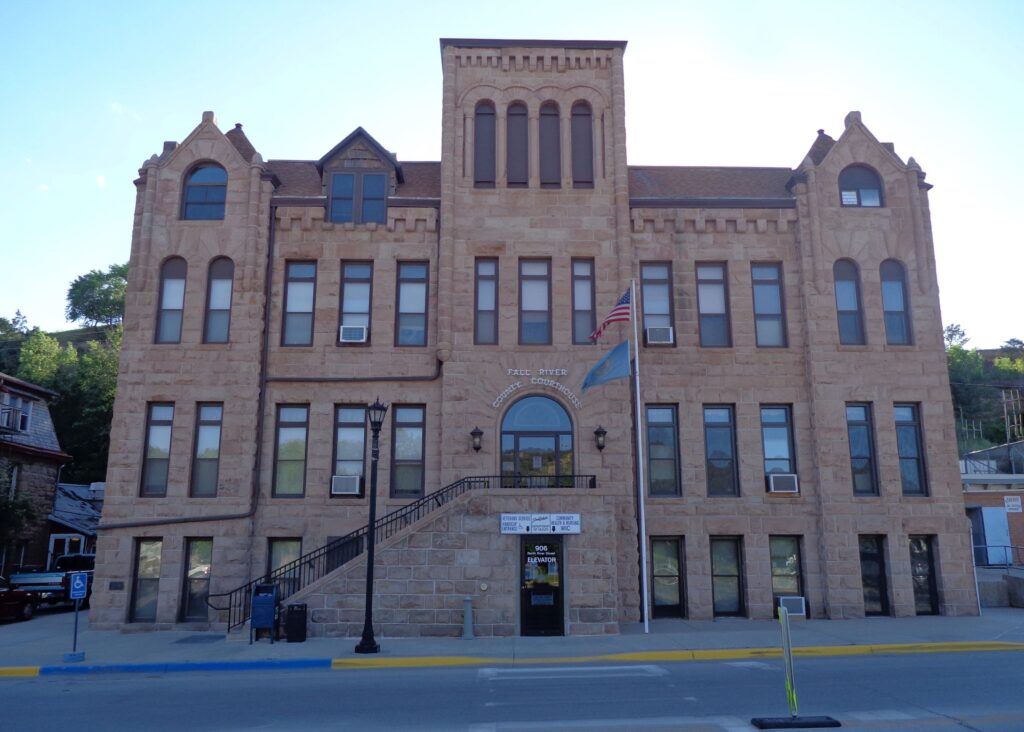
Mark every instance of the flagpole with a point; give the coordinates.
(641, 463)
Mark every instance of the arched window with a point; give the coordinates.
(217, 324)
(483, 146)
(582, 146)
(848, 304)
(172, 300)
(536, 441)
(894, 303)
(205, 190)
(517, 148)
(550, 147)
(860, 186)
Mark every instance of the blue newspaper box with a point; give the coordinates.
(263, 614)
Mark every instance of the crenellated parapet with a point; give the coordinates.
(708, 221)
(418, 221)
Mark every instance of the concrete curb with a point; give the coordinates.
(341, 664)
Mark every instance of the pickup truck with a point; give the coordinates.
(55, 585)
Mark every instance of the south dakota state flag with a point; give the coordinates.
(613, 365)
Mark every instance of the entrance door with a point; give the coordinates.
(872, 574)
(922, 571)
(536, 444)
(997, 535)
(541, 594)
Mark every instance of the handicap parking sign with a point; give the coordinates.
(79, 585)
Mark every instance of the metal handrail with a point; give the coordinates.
(318, 563)
(1013, 556)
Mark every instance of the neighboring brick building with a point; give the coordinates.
(30, 460)
(791, 327)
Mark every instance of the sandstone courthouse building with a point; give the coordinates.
(795, 408)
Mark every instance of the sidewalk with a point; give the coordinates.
(37, 647)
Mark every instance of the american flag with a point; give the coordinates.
(619, 313)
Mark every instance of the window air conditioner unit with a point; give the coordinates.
(659, 335)
(345, 485)
(795, 605)
(783, 483)
(354, 333)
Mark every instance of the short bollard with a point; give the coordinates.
(467, 618)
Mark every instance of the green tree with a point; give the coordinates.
(86, 417)
(42, 361)
(15, 513)
(954, 335)
(97, 298)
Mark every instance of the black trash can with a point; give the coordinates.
(295, 623)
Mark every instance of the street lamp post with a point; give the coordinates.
(375, 414)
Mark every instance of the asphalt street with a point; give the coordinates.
(962, 691)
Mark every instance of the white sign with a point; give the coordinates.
(540, 523)
(1012, 504)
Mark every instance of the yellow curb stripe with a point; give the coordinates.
(19, 671)
(416, 662)
(722, 654)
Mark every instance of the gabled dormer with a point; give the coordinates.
(358, 175)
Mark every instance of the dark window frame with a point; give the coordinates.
(289, 584)
(734, 459)
(857, 188)
(338, 424)
(345, 280)
(669, 288)
(867, 424)
(535, 278)
(799, 574)
(478, 312)
(288, 279)
(932, 588)
(581, 121)
(737, 541)
(395, 462)
(670, 611)
(790, 437)
(904, 314)
(399, 281)
(188, 208)
(722, 281)
(885, 608)
(168, 271)
(583, 338)
(186, 614)
(359, 196)
(278, 424)
(780, 317)
(485, 124)
(212, 276)
(133, 616)
(676, 459)
(550, 144)
(200, 422)
(860, 337)
(517, 145)
(916, 425)
(150, 422)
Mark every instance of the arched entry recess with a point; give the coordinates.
(536, 440)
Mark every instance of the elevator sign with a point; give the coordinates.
(540, 523)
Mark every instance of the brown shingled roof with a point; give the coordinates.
(301, 178)
(422, 180)
(298, 177)
(649, 181)
(820, 148)
(237, 138)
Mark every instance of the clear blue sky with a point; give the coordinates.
(91, 90)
